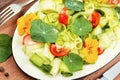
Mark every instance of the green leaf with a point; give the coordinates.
(74, 5)
(43, 32)
(5, 39)
(5, 47)
(81, 26)
(5, 52)
(73, 61)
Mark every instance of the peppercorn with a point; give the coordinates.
(1, 69)
(6, 74)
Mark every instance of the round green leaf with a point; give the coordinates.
(74, 5)
(5, 47)
(5, 39)
(5, 52)
(43, 32)
(73, 61)
(81, 26)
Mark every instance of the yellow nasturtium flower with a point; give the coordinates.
(24, 23)
(90, 50)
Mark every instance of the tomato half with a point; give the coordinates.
(100, 50)
(27, 40)
(95, 18)
(58, 52)
(114, 1)
(63, 16)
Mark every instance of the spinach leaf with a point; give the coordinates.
(5, 39)
(43, 32)
(74, 5)
(5, 47)
(73, 61)
(81, 26)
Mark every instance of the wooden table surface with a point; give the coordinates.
(15, 73)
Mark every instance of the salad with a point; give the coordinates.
(64, 35)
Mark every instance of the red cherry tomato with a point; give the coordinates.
(114, 1)
(84, 45)
(27, 40)
(58, 52)
(100, 50)
(63, 16)
(95, 18)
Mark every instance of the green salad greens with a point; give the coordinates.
(64, 35)
(74, 5)
(81, 26)
(5, 47)
(43, 32)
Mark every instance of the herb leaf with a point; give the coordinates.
(73, 61)
(5, 39)
(81, 26)
(43, 32)
(74, 5)
(5, 47)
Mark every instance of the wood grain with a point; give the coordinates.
(15, 73)
(4, 3)
(13, 70)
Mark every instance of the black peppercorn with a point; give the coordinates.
(6, 74)
(1, 69)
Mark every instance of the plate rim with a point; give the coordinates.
(22, 68)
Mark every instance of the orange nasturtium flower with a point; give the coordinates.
(90, 52)
(24, 23)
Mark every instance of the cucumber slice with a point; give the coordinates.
(36, 60)
(103, 21)
(31, 49)
(107, 39)
(64, 70)
(97, 30)
(47, 6)
(41, 62)
(55, 66)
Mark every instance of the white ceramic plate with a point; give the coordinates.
(25, 65)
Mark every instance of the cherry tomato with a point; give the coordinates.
(27, 40)
(58, 52)
(100, 50)
(95, 18)
(84, 45)
(63, 16)
(114, 1)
